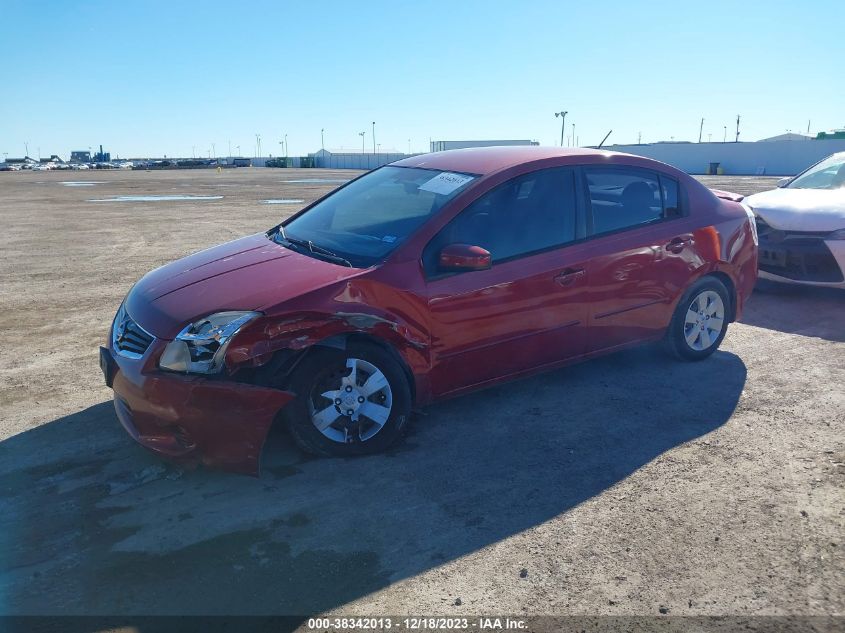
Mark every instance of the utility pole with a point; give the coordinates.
(362, 135)
(700, 129)
(193, 151)
(374, 137)
(737, 129)
(214, 149)
(562, 124)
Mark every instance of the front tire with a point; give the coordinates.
(700, 321)
(349, 402)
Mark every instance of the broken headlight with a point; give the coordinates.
(201, 347)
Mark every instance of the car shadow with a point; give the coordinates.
(93, 524)
(806, 310)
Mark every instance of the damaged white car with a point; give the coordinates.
(801, 226)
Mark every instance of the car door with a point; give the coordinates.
(641, 253)
(528, 309)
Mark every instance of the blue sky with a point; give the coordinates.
(162, 78)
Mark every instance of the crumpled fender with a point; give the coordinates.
(256, 346)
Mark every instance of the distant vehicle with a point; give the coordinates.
(79, 166)
(42, 167)
(802, 226)
(433, 276)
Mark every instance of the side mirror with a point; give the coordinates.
(783, 182)
(464, 257)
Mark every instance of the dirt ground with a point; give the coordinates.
(631, 484)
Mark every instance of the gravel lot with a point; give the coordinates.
(631, 484)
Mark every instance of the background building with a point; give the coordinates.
(767, 157)
(441, 146)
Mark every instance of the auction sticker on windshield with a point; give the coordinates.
(445, 183)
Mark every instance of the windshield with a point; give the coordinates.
(828, 174)
(370, 217)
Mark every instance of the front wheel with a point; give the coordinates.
(700, 320)
(349, 402)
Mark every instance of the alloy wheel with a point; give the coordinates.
(705, 320)
(351, 405)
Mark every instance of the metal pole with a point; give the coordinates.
(700, 129)
(725, 137)
(562, 124)
(322, 139)
(573, 135)
(737, 129)
(374, 137)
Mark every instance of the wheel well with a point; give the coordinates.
(728, 283)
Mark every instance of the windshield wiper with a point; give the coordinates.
(314, 249)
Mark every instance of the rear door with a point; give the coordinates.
(529, 308)
(642, 254)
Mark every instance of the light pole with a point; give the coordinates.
(257, 145)
(26, 145)
(193, 151)
(409, 146)
(214, 149)
(562, 124)
(323, 139)
(362, 135)
(238, 147)
(573, 135)
(374, 137)
(725, 137)
(286, 145)
(230, 148)
(700, 129)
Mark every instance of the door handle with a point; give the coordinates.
(569, 276)
(677, 244)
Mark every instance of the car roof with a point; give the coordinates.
(486, 160)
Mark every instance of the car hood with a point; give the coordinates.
(801, 209)
(252, 273)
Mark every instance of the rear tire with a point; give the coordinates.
(349, 402)
(700, 321)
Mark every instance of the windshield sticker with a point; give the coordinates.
(445, 183)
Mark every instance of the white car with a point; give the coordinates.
(801, 226)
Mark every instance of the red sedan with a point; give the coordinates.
(424, 279)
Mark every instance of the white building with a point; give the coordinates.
(441, 146)
(771, 158)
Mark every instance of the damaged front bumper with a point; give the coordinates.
(192, 419)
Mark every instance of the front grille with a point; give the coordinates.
(801, 256)
(129, 338)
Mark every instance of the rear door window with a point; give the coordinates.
(623, 198)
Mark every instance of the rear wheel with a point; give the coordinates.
(349, 402)
(700, 320)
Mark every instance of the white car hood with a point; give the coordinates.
(801, 209)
